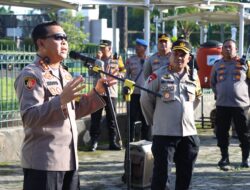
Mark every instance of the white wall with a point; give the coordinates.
(92, 14)
(98, 28)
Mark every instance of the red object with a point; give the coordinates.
(206, 55)
(152, 77)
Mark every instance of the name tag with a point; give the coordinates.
(51, 83)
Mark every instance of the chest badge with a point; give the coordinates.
(47, 75)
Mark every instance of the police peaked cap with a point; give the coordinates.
(164, 37)
(104, 43)
(142, 42)
(182, 45)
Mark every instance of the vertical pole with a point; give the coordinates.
(147, 24)
(156, 19)
(202, 110)
(128, 147)
(114, 25)
(201, 34)
(241, 31)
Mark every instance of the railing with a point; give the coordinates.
(11, 63)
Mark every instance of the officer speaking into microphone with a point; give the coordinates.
(47, 95)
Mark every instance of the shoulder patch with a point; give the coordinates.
(152, 77)
(30, 82)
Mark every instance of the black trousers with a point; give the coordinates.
(50, 180)
(95, 127)
(224, 116)
(136, 115)
(168, 149)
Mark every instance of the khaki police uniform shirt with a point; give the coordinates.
(229, 83)
(172, 114)
(109, 66)
(134, 71)
(155, 62)
(50, 141)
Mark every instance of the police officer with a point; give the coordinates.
(161, 57)
(229, 77)
(111, 65)
(47, 93)
(134, 72)
(172, 119)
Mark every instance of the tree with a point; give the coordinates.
(73, 26)
(3, 10)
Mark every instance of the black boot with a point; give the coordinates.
(93, 144)
(224, 161)
(113, 145)
(245, 155)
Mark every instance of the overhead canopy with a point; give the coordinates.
(146, 4)
(74, 4)
(41, 4)
(217, 17)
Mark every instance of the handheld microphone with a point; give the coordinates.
(88, 61)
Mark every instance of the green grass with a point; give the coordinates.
(7, 88)
(8, 99)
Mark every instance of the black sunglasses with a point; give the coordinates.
(58, 37)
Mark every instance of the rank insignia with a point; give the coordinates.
(44, 65)
(221, 77)
(29, 82)
(238, 65)
(237, 77)
(222, 66)
(167, 76)
(221, 72)
(68, 77)
(156, 61)
(47, 75)
(170, 67)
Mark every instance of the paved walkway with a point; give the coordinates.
(102, 170)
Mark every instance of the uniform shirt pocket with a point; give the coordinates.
(190, 93)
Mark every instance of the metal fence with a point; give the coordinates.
(11, 63)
